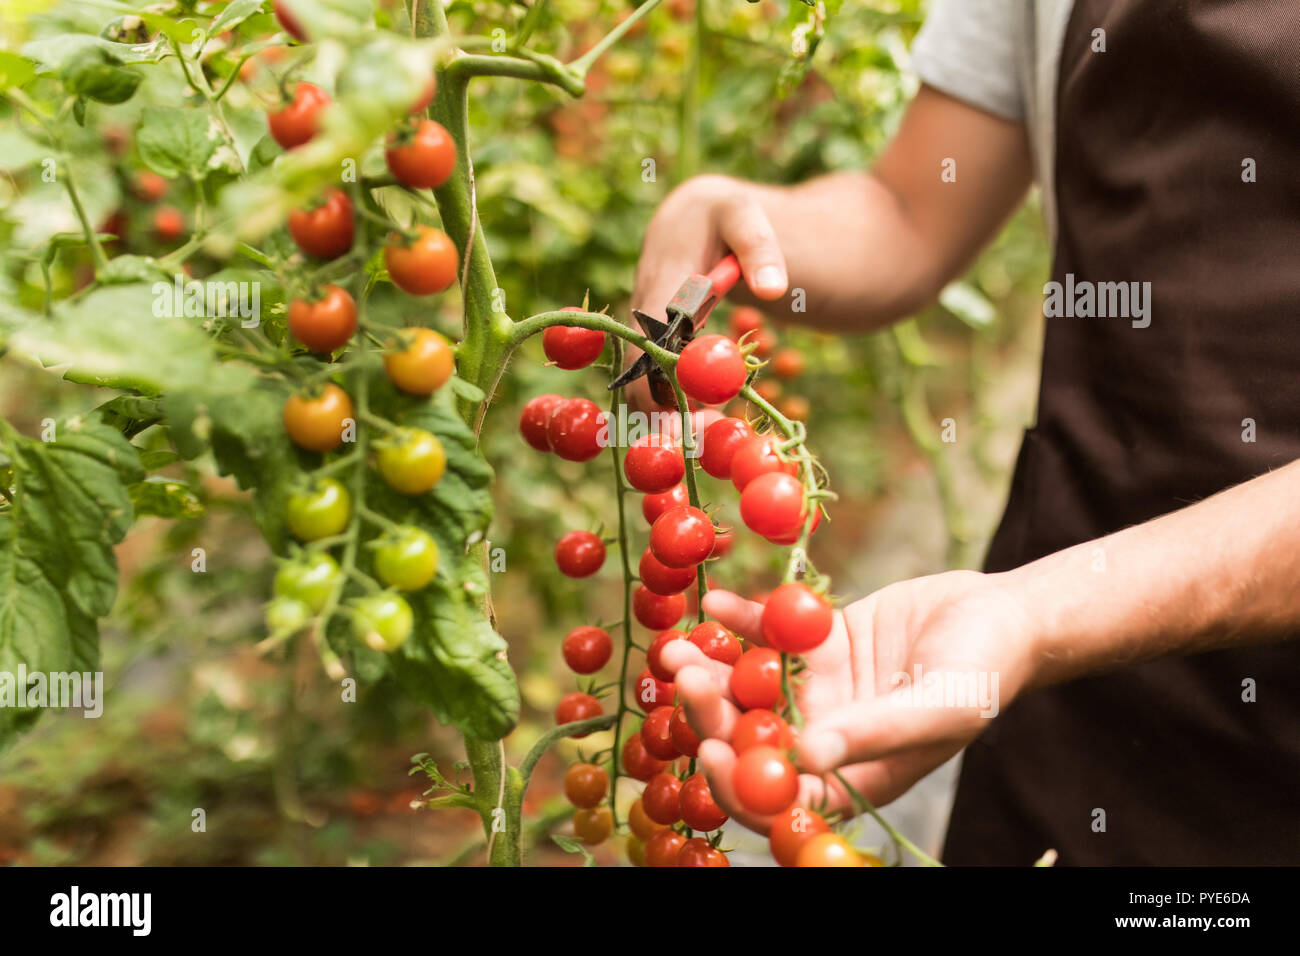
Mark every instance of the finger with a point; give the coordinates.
(880, 781)
(679, 654)
(737, 614)
(708, 709)
(718, 760)
(874, 729)
(745, 229)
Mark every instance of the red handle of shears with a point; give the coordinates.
(724, 275)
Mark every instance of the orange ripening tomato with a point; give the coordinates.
(424, 363)
(423, 266)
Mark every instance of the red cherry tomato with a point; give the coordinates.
(698, 809)
(788, 364)
(651, 692)
(575, 706)
(573, 430)
(661, 798)
(773, 505)
(656, 734)
(711, 369)
(685, 740)
(756, 679)
(758, 456)
(721, 440)
(716, 642)
(658, 612)
(579, 554)
(652, 506)
(829, 849)
(289, 21)
(168, 223)
(422, 156)
(763, 342)
(326, 323)
(796, 619)
(585, 785)
(296, 122)
(793, 535)
(572, 347)
(654, 464)
(424, 265)
(790, 830)
(764, 780)
(724, 539)
(533, 419)
(639, 763)
(682, 537)
(761, 728)
(422, 104)
(324, 231)
(660, 578)
(587, 649)
(655, 650)
(663, 847)
(149, 186)
(698, 852)
(744, 320)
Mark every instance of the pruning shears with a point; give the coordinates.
(687, 312)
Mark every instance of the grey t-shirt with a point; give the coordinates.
(1002, 56)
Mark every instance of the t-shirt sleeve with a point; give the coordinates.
(970, 50)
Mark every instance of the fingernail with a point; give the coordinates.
(769, 277)
(823, 751)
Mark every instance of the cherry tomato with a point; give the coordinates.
(658, 612)
(593, 826)
(382, 621)
(325, 323)
(721, 440)
(310, 579)
(423, 364)
(685, 741)
(682, 537)
(763, 342)
(716, 642)
(585, 785)
(744, 320)
(652, 506)
(711, 369)
(639, 764)
(661, 798)
(656, 649)
(574, 707)
(663, 846)
(317, 424)
(579, 554)
(406, 558)
(533, 419)
(773, 505)
(828, 849)
(168, 223)
(764, 780)
(724, 539)
(761, 728)
(662, 579)
(326, 230)
(635, 850)
(790, 830)
(795, 407)
(412, 460)
(321, 511)
(587, 649)
(698, 808)
(654, 464)
(768, 389)
(792, 536)
(788, 364)
(288, 21)
(642, 827)
(296, 122)
(698, 852)
(422, 104)
(286, 615)
(572, 347)
(656, 734)
(423, 266)
(756, 679)
(422, 156)
(652, 692)
(149, 186)
(796, 619)
(758, 456)
(573, 430)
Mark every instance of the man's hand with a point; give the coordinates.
(958, 624)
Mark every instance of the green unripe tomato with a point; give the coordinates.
(286, 615)
(382, 621)
(406, 559)
(311, 580)
(412, 460)
(321, 511)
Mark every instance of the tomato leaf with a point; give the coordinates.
(184, 142)
(572, 845)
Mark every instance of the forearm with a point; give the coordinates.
(1219, 573)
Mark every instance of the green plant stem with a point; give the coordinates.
(590, 725)
(583, 63)
(692, 489)
(898, 838)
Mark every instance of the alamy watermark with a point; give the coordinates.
(956, 689)
(1082, 299)
(71, 690)
(191, 298)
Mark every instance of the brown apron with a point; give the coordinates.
(1133, 423)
